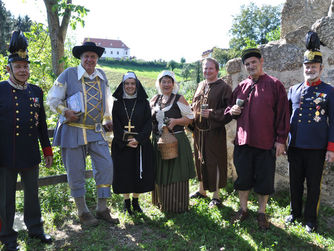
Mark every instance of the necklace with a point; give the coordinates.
(129, 126)
(206, 91)
(164, 104)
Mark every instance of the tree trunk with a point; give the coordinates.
(57, 33)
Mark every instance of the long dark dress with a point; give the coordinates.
(128, 178)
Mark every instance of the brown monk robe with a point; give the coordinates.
(210, 134)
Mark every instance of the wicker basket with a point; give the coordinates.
(167, 145)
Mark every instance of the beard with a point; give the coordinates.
(312, 76)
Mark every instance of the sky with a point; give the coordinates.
(152, 29)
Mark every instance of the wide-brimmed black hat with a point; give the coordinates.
(18, 47)
(251, 52)
(87, 46)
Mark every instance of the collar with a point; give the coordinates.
(82, 73)
(314, 83)
(260, 77)
(16, 86)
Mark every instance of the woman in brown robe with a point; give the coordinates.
(210, 100)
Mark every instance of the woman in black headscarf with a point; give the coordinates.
(132, 152)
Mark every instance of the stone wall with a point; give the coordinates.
(283, 60)
(298, 13)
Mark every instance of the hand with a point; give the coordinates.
(132, 143)
(205, 113)
(172, 123)
(48, 161)
(236, 110)
(330, 156)
(280, 149)
(108, 127)
(71, 116)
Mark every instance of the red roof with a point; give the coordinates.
(107, 43)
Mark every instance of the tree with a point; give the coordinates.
(274, 34)
(6, 27)
(58, 28)
(185, 72)
(253, 24)
(23, 24)
(223, 55)
(172, 65)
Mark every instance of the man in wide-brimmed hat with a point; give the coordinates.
(22, 125)
(82, 97)
(311, 138)
(260, 107)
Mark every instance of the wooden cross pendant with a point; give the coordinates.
(129, 126)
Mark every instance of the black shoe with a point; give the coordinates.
(135, 205)
(12, 246)
(127, 207)
(291, 219)
(44, 238)
(310, 227)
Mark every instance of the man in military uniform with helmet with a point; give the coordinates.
(311, 138)
(22, 124)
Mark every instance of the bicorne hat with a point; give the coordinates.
(18, 47)
(87, 46)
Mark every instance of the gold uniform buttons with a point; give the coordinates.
(30, 119)
(15, 97)
(299, 121)
(17, 119)
(30, 105)
(310, 108)
(14, 91)
(17, 111)
(29, 134)
(309, 121)
(17, 134)
(31, 112)
(17, 104)
(300, 114)
(17, 126)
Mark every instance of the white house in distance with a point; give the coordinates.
(113, 48)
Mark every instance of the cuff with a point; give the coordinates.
(106, 120)
(61, 109)
(47, 151)
(330, 146)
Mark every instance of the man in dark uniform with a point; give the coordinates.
(311, 139)
(22, 124)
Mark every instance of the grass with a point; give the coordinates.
(200, 228)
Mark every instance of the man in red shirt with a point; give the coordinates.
(262, 113)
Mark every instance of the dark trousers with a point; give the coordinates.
(32, 211)
(305, 164)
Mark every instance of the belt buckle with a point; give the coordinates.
(98, 127)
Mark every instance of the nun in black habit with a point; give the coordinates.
(132, 151)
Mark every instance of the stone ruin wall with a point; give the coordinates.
(283, 60)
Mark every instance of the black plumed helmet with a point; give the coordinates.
(18, 47)
(312, 43)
